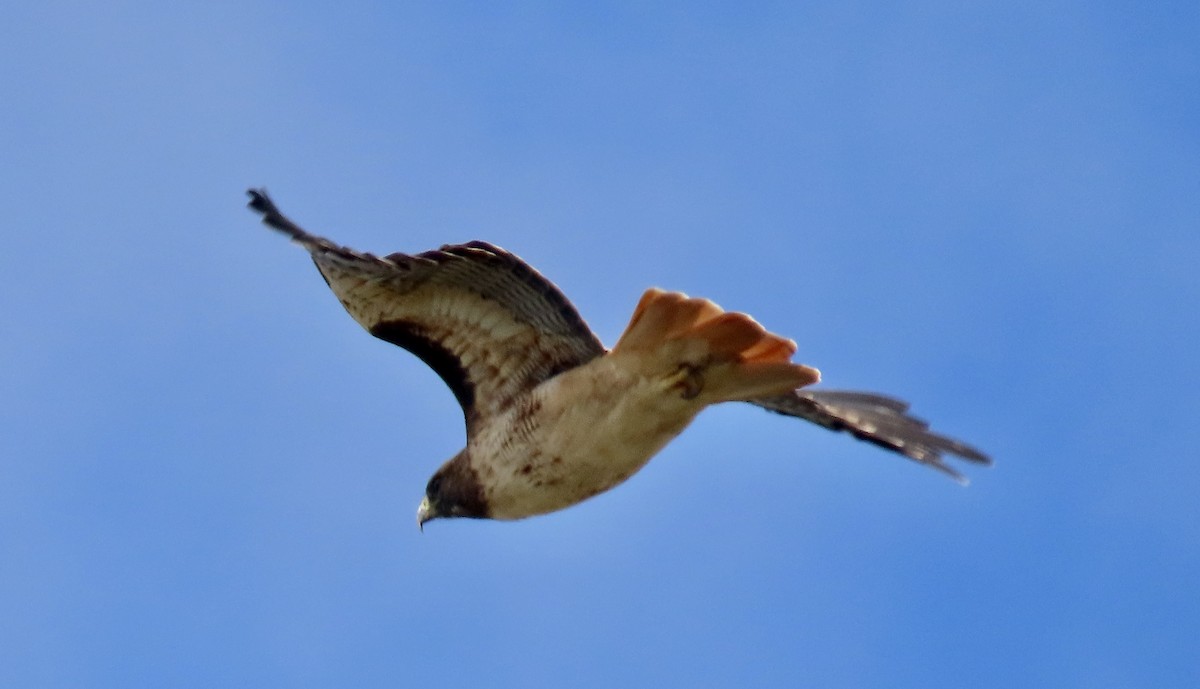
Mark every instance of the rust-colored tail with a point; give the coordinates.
(727, 355)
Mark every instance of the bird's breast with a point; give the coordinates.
(574, 436)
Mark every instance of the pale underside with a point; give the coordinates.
(577, 435)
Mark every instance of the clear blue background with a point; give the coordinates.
(208, 472)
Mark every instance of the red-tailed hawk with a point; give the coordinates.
(553, 417)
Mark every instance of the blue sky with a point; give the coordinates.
(208, 472)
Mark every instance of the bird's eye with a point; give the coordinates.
(434, 486)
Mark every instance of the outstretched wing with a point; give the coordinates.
(876, 419)
(488, 323)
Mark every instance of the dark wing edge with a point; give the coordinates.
(395, 298)
(876, 419)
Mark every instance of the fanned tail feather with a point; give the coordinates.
(722, 355)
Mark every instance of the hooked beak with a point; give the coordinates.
(424, 513)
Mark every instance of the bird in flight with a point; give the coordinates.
(554, 418)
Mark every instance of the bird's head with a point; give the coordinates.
(453, 491)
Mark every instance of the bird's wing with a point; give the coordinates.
(488, 323)
(876, 419)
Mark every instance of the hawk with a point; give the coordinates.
(552, 416)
